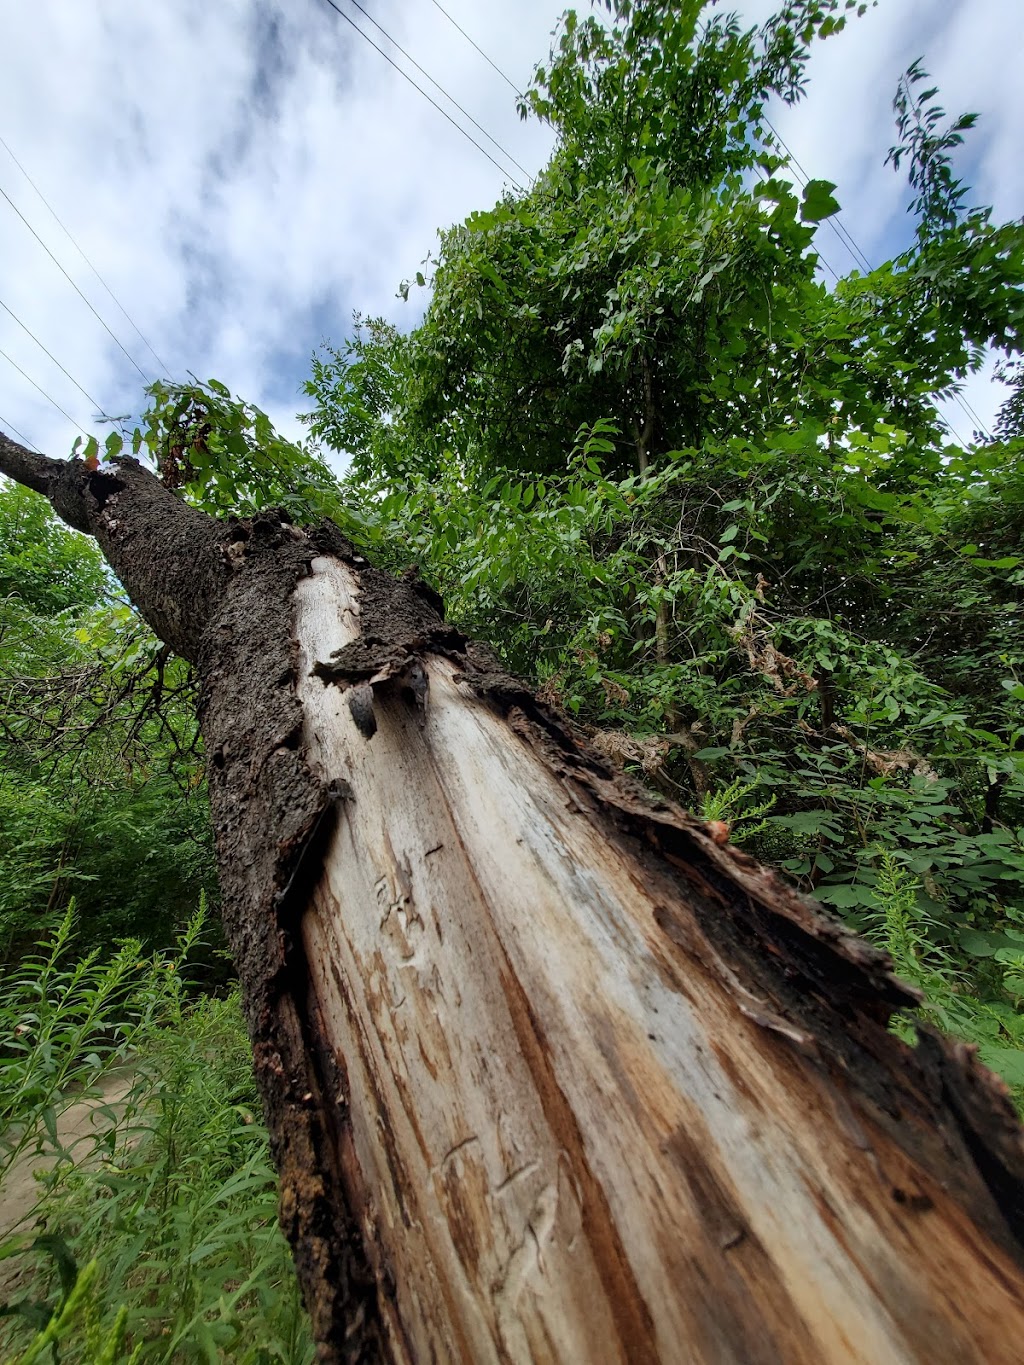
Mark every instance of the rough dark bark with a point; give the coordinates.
(927, 1149)
(170, 557)
(271, 814)
(221, 596)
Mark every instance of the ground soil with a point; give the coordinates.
(20, 1190)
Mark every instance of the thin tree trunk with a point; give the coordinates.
(642, 435)
(549, 1073)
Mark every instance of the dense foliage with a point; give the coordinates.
(100, 789)
(699, 497)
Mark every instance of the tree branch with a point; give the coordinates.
(168, 555)
(26, 467)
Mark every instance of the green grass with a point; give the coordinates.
(155, 1237)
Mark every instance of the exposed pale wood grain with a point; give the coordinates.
(572, 1138)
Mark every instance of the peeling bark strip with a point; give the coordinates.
(549, 1074)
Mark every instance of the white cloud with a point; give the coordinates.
(245, 174)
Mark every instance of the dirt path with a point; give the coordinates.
(19, 1189)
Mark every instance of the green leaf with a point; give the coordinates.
(845, 897)
(818, 201)
(979, 944)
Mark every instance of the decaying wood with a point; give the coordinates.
(551, 1074)
(617, 1094)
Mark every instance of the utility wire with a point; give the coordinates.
(98, 406)
(479, 49)
(85, 258)
(835, 223)
(835, 275)
(465, 112)
(966, 407)
(978, 423)
(949, 426)
(50, 400)
(352, 24)
(9, 426)
(847, 237)
(831, 269)
(70, 281)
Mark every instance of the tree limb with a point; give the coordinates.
(169, 556)
(26, 467)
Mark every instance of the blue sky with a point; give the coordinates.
(245, 174)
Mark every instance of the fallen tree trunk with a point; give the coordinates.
(550, 1073)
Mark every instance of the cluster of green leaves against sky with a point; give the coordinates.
(700, 499)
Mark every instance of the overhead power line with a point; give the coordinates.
(972, 416)
(835, 223)
(443, 112)
(506, 79)
(98, 406)
(949, 426)
(67, 233)
(74, 286)
(465, 112)
(835, 275)
(50, 400)
(9, 426)
(764, 177)
(967, 407)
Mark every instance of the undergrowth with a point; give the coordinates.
(989, 1019)
(150, 1233)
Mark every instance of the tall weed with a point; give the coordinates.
(153, 1236)
(906, 931)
